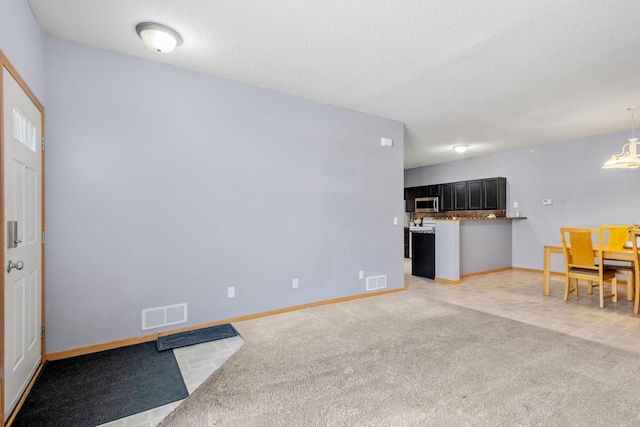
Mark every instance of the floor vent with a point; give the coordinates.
(376, 282)
(164, 316)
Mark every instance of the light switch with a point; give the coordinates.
(395, 220)
(547, 202)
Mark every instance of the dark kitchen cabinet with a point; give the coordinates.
(406, 242)
(410, 199)
(446, 197)
(427, 191)
(433, 190)
(477, 194)
(494, 193)
(410, 205)
(460, 196)
(410, 193)
(474, 195)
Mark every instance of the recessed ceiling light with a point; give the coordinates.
(158, 37)
(460, 148)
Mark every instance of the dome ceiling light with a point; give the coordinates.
(158, 37)
(460, 148)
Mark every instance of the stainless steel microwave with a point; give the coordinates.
(427, 204)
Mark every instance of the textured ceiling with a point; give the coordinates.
(495, 74)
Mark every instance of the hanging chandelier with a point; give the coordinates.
(628, 159)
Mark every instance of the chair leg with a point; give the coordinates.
(568, 289)
(630, 286)
(601, 289)
(636, 304)
(590, 288)
(614, 288)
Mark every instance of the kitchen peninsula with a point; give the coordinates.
(472, 245)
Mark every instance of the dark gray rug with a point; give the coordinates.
(96, 388)
(198, 336)
(404, 359)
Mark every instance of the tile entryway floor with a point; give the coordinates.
(197, 363)
(512, 294)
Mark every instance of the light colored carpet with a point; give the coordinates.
(403, 359)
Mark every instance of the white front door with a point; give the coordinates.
(22, 132)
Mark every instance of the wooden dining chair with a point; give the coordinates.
(635, 235)
(615, 236)
(580, 256)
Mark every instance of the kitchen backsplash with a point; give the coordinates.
(458, 214)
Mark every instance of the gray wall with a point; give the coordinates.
(567, 172)
(22, 43)
(485, 245)
(166, 186)
(448, 250)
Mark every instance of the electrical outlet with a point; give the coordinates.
(231, 292)
(361, 275)
(547, 202)
(295, 282)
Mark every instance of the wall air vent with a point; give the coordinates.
(376, 282)
(164, 316)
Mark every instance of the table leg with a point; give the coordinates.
(636, 304)
(547, 270)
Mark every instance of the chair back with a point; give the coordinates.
(577, 244)
(616, 235)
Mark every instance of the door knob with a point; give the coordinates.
(17, 265)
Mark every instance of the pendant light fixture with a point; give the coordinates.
(158, 37)
(628, 159)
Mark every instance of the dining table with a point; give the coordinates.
(611, 253)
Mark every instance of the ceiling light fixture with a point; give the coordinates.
(460, 148)
(158, 37)
(627, 159)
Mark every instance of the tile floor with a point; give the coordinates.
(512, 294)
(197, 363)
(518, 295)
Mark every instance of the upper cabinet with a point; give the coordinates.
(433, 190)
(446, 197)
(422, 191)
(474, 195)
(477, 194)
(460, 196)
(494, 193)
(410, 193)
(409, 199)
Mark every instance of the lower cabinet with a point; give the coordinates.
(406, 242)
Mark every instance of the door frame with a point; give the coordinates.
(4, 62)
